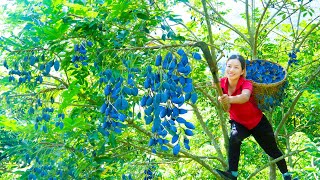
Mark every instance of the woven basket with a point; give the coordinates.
(269, 95)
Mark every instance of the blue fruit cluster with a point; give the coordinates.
(46, 67)
(83, 150)
(168, 89)
(45, 116)
(41, 171)
(116, 92)
(81, 53)
(264, 73)
(26, 76)
(293, 57)
(148, 173)
(60, 123)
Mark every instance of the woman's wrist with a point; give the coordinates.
(230, 98)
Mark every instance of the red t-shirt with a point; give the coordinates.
(247, 114)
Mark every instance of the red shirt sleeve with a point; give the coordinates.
(247, 85)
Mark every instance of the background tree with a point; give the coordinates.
(84, 84)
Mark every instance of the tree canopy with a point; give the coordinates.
(120, 89)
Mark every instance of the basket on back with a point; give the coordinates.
(269, 81)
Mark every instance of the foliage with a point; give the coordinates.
(105, 89)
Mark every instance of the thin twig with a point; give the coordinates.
(302, 31)
(187, 154)
(292, 27)
(274, 161)
(223, 20)
(291, 108)
(209, 134)
(307, 34)
(149, 47)
(259, 25)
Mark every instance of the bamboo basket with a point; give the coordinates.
(269, 95)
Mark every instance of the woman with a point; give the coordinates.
(246, 118)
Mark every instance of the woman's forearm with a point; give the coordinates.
(239, 99)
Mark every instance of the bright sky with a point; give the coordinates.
(2, 27)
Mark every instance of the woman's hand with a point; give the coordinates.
(225, 101)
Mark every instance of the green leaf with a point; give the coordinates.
(175, 19)
(142, 16)
(310, 168)
(69, 95)
(8, 124)
(112, 139)
(92, 14)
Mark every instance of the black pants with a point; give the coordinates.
(263, 134)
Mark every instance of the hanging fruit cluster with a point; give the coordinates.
(45, 116)
(41, 170)
(22, 70)
(50, 170)
(268, 81)
(81, 54)
(116, 92)
(293, 57)
(149, 174)
(168, 88)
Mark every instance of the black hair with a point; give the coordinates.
(240, 58)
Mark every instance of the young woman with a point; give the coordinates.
(246, 118)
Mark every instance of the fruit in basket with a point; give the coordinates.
(269, 83)
(261, 71)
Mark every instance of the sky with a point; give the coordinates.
(2, 27)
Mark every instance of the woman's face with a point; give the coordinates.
(234, 69)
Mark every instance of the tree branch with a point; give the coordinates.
(274, 161)
(195, 158)
(214, 70)
(308, 33)
(276, 25)
(248, 23)
(259, 25)
(223, 20)
(149, 47)
(271, 18)
(302, 89)
(209, 134)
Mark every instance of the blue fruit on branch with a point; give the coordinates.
(116, 90)
(293, 57)
(56, 65)
(196, 56)
(168, 88)
(80, 55)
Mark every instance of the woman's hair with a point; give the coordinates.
(242, 62)
(240, 58)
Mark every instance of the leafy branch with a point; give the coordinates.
(274, 161)
(187, 154)
(223, 21)
(209, 134)
(295, 100)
